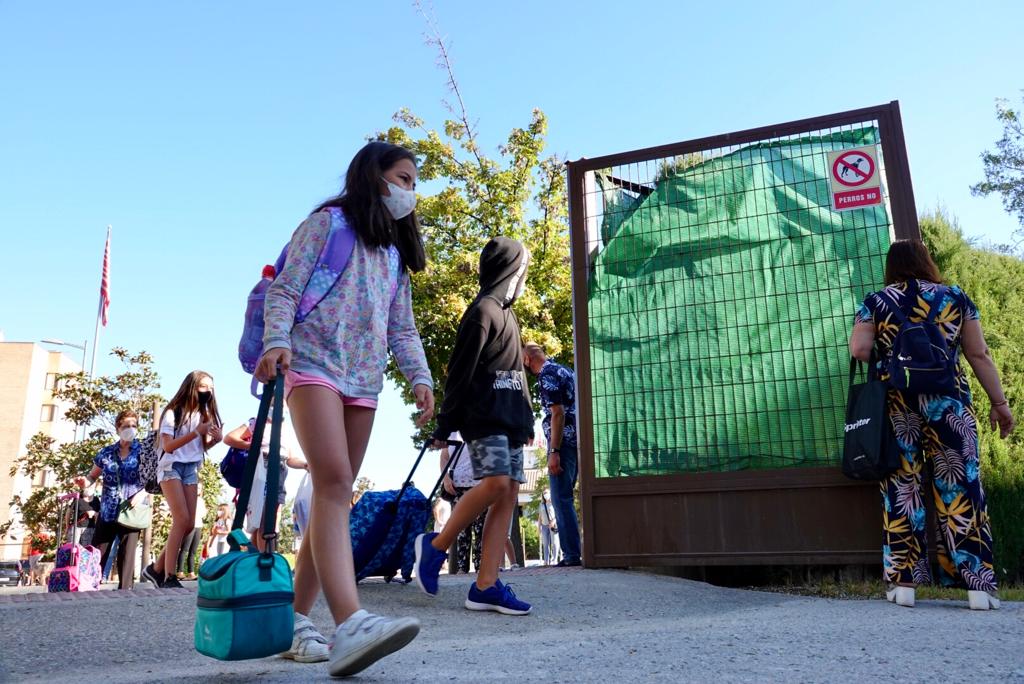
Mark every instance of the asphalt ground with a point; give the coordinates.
(587, 625)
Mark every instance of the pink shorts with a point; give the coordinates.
(295, 379)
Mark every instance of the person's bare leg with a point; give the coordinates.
(322, 424)
(471, 505)
(178, 500)
(495, 533)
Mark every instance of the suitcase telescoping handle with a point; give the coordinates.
(426, 446)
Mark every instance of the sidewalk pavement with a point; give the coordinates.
(588, 625)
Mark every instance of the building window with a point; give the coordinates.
(47, 413)
(51, 381)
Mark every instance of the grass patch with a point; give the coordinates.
(875, 589)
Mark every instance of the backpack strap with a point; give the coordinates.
(940, 294)
(896, 309)
(341, 240)
(933, 311)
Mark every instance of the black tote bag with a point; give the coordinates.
(870, 451)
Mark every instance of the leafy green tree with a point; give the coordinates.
(517, 192)
(1004, 167)
(993, 282)
(286, 528)
(94, 402)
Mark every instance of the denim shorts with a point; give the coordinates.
(188, 473)
(491, 456)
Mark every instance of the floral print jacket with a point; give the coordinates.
(345, 339)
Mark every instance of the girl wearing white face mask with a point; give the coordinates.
(334, 362)
(119, 465)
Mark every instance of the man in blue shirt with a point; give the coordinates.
(558, 397)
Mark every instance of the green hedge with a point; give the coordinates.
(996, 284)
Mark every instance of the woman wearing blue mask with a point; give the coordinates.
(119, 465)
(333, 362)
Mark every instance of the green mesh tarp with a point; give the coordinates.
(720, 306)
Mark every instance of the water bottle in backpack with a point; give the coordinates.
(250, 346)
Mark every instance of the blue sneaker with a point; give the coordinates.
(428, 563)
(499, 598)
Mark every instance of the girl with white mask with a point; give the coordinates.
(333, 363)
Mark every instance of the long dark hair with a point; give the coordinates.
(185, 401)
(360, 200)
(910, 259)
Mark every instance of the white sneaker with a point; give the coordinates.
(982, 600)
(308, 645)
(365, 638)
(901, 596)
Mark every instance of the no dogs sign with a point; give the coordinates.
(854, 179)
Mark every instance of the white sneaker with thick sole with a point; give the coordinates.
(308, 644)
(901, 596)
(982, 600)
(365, 638)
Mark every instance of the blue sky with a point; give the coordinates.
(204, 132)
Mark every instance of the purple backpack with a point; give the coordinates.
(329, 266)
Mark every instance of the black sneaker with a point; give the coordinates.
(171, 583)
(569, 563)
(150, 574)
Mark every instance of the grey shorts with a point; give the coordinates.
(492, 456)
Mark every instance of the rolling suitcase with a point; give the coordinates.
(77, 567)
(384, 526)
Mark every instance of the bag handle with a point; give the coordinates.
(856, 364)
(408, 480)
(449, 468)
(273, 391)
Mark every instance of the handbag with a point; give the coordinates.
(137, 517)
(870, 450)
(244, 607)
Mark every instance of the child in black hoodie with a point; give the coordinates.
(486, 398)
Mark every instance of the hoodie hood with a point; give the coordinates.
(503, 263)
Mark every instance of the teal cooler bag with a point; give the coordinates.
(244, 608)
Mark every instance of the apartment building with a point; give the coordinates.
(28, 373)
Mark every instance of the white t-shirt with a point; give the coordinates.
(192, 452)
(462, 476)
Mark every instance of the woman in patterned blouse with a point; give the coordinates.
(935, 427)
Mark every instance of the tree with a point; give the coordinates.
(94, 402)
(1004, 168)
(518, 193)
(286, 529)
(362, 485)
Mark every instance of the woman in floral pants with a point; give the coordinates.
(939, 428)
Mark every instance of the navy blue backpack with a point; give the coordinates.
(921, 361)
(232, 467)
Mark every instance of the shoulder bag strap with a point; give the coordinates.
(940, 294)
(334, 257)
(273, 468)
(252, 460)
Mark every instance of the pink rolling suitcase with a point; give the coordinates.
(77, 567)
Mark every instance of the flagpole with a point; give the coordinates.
(104, 300)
